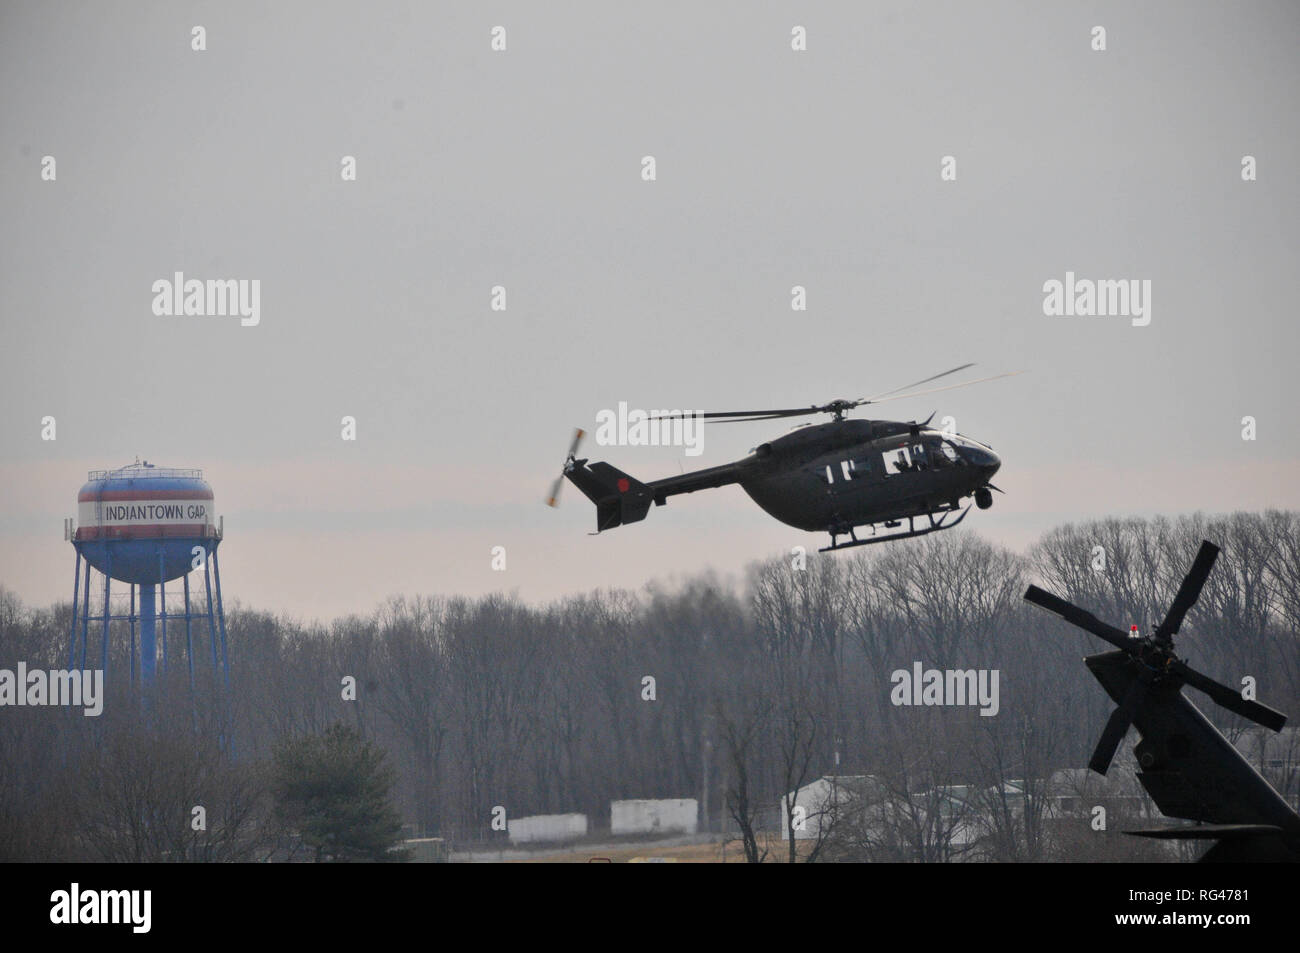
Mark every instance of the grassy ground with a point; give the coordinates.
(724, 852)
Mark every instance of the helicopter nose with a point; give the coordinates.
(985, 459)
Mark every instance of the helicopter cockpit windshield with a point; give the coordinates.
(967, 451)
(944, 454)
(935, 453)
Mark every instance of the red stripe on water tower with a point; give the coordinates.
(146, 531)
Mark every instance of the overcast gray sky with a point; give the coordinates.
(522, 168)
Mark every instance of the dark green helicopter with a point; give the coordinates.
(832, 477)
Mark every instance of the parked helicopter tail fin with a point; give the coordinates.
(619, 498)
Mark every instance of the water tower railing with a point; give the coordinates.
(132, 472)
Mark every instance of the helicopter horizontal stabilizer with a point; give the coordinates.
(1233, 843)
(1207, 831)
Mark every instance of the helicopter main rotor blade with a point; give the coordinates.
(1189, 591)
(1229, 698)
(934, 390)
(837, 407)
(867, 400)
(743, 414)
(743, 420)
(1117, 727)
(1080, 617)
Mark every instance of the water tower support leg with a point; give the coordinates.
(103, 650)
(228, 742)
(133, 661)
(212, 621)
(221, 620)
(85, 617)
(76, 590)
(162, 610)
(189, 650)
(189, 633)
(148, 637)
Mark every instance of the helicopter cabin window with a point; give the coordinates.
(945, 455)
(898, 460)
(915, 458)
(853, 469)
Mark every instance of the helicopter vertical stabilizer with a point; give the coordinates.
(619, 498)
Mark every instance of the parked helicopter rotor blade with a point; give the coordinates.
(1117, 727)
(1228, 697)
(934, 390)
(1189, 591)
(553, 498)
(867, 400)
(1080, 617)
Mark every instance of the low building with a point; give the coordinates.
(427, 850)
(547, 828)
(818, 802)
(654, 816)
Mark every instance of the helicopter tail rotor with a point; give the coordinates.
(553, 498)
(619, 497)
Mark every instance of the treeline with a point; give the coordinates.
(732, 695)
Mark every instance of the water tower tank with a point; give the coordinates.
(140, 523)
(145, 526)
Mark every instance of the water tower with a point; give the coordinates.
(145, 526)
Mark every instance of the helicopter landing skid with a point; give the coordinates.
(935, 525)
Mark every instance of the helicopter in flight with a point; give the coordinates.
(1190, 770)
(832, 477)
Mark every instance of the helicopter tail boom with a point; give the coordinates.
(621, 498)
